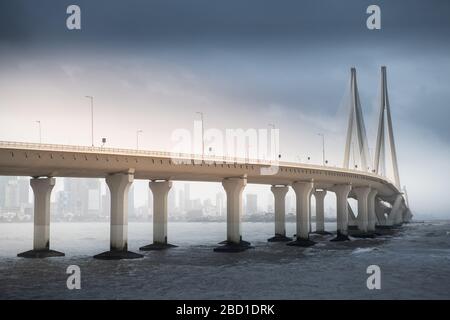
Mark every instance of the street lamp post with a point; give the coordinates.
(323, 147)
(203, 133)
(92, 118)
(40, 131)
(137, 138)
(273, 128)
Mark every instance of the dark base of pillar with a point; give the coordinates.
(118, 255)
(340, 237)
(228, 246)
(395, 226)
(157, 246)
(322, 233)
(301, 243)
(279, 238)
(352, 227)
(362, 234)
(46, 253)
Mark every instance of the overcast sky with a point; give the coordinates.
(152, 64)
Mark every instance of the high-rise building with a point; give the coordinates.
(131, 212)
(171, 198)
(24, 191)
(251, 203)
(187, 197)
(12, 195)
(220, 204)
(84, 198)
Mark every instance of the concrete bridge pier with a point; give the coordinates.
(372, 219)
(160, 190)
(342, 192)
(118, 185)
(319, 195)
(279, 194)
(234, 243)
(42, 189)
(362, 195)
(303, 200)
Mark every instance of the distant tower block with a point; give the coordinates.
(356, 129)
(380, 149)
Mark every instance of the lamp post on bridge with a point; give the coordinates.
(203, 133)
(323, 147)
(137, 138)
(273, 128)
(40, 131)
(92, 119)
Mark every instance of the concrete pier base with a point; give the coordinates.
(299, 242)
(302, 191)
(160, 190)
(156, 246)
(319, 195)
(279, 238)
(42, 189)
(229, 246)
(118, 255)
(279, 195)
(118, 185)
(233, 189)
(44, 253)
(322, 233)
(340, 237)
(342, 191)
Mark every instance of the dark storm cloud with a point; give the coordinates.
(214, 20)
(293, 53)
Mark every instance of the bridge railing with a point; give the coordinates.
(178, 156)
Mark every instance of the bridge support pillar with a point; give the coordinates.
(42, 189)
(342, 192)
(160, 190)
(118, 185)
(303, 197)
(234, 243)
(279, 194)
(372, 220)
(362, 221)
(320, 211)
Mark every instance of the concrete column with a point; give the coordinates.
(303, 197)
(279, 194)
(42, 189)
(342, 192)
(118, 185)
(320, 210)
(395, 215)
(234, 188)
(160, 190)
(372, 220)
(362, 195)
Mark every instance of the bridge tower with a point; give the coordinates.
(356, 129)
(385, 120)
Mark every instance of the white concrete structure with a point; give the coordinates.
(362, 195)
(42, 189)
(160, 190)
(342, 192)
(302, 191)
(119, 185)
(319, 195)
(372, 219)
(279, 195)
(380, 201)
(233, 189)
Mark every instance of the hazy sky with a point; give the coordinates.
(152, 64)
